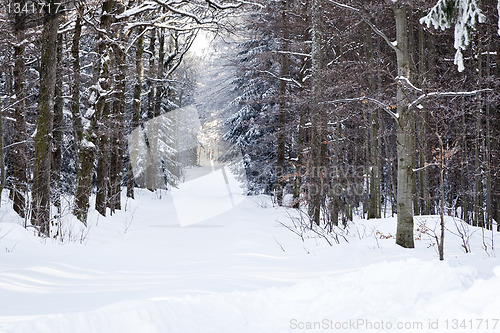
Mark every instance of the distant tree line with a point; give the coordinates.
(354, 104)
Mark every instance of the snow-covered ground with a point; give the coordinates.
(198, 260)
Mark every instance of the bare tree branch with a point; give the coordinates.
(282, 78)
(386, 108)
(367, 20)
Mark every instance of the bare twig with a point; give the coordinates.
(367, 20)
(385, 107)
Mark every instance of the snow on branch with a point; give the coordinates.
(220, 6)
(146, 6)
(282, 78)
(251, 3)
(426, 166)
(179, 11)
(15, 144)
(446, 94)
(3, 110)
(182, 15)
(184, 28)
(307, 55)
(407, 83)
(465, 13)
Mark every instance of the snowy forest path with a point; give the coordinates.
(158, 247)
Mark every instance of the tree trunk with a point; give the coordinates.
(117, 120)
(465, 175)
(391, 186)
(159, 74)
(373, 151)
(374, 206)
(301, 141)
(102, 177)
(478, 188)
(442, 167)
(281, 130)
(117, 137)
(478, 181)
(103, 115)
(367, 145)
(151, 75)
(92, 121)
(318, 119)
(57, 131)
(405, 141)
(136, 105)
(487, 155)
(152, 141)
(375, 202)
(18, 152)
(43, 138)
(300, 158)
(75, 84)
(83, 153)
(496, 162)
(413, 128)
(2, 159)
(422, 191)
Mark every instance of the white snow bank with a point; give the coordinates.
(410, 292)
